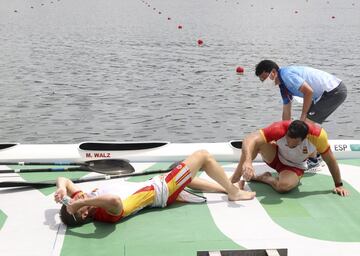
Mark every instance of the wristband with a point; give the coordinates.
(339, 184)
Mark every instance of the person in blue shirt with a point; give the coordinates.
(322, 92)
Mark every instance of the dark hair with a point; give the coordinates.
(265, 66)
(298, 129)
(72, 220)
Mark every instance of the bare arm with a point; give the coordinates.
(64, 187)
(250, 149)
(286, 115)
(308, 94)
(111, 203)
(334, 169)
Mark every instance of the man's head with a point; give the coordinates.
(296, 133)
(71, 220)
(266, 69)
(80, 217)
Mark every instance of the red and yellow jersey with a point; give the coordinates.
(316, 140)
(134, 197)
(157, 192)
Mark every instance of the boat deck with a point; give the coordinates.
(310, 220)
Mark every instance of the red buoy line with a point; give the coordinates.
(239, 69)
(200, 42)
(40, 5)
(179, 26)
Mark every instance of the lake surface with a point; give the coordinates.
(118, 70)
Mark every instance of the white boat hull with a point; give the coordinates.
(143, 151)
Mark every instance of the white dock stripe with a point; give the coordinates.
(29, 228)
(244, 220)
(59, 240)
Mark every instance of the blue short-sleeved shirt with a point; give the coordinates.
(293, 77)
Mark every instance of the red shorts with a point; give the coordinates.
(177, 180)
(277, 165)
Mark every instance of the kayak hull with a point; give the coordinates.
(143, 151)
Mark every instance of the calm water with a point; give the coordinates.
(78, 70)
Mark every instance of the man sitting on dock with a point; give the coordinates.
(285, 146)
(113, 203)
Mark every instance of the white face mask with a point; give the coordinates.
(268, 81)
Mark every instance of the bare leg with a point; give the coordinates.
(209, 187)
(203, 160)
(286, 181)
(206, 186)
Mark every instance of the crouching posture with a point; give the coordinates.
(285, 146)
(114, 202)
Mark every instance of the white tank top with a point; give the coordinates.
(295, 156)
(123, 189)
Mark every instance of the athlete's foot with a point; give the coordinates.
(262, 177)
(241, 195)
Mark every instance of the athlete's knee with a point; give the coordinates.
(282, 190)
(284, 187)
(202, 154)
(204, 158)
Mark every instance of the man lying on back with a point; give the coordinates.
(113, 203)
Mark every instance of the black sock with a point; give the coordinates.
(313, 159)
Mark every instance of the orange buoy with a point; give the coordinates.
(240, 70)
(200, 42)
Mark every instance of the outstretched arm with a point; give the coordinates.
(250, 149)
(308, 94)
(286, 115)
(334, 169)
